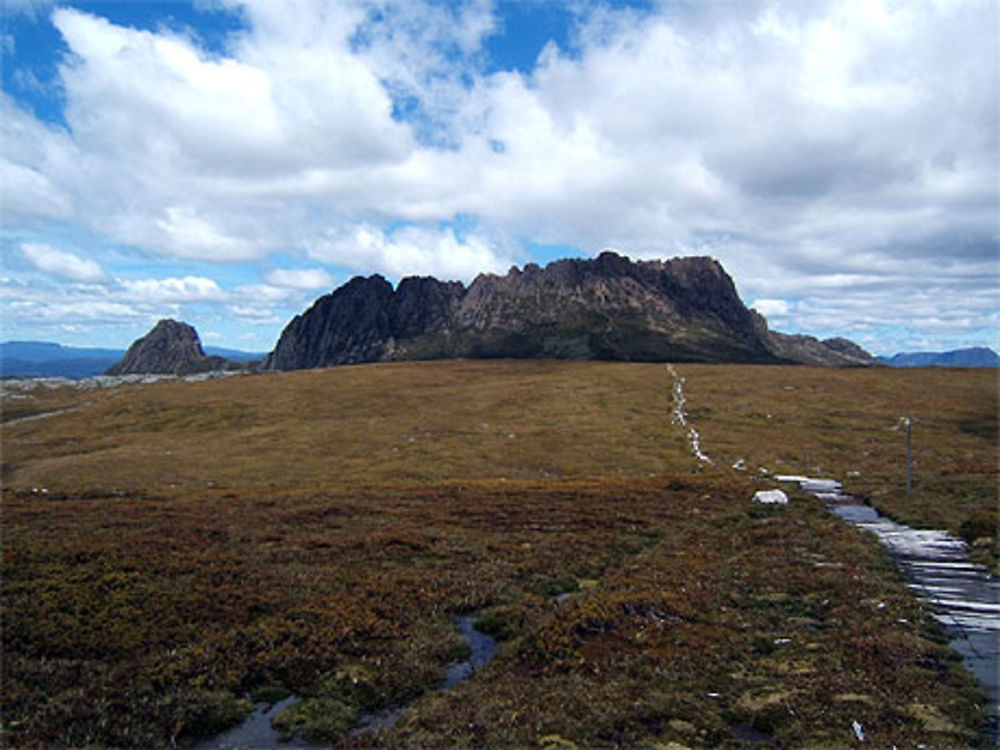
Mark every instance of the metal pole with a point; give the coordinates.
(909, 454)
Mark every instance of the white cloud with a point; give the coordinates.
(299, 278)
(34, 163)
(62, 263)
(674, 128)
(266, 305)
(290, 99)
(256, 316)
(657, 132)
(173, 290)
(410, 250)
(263, 294)
(769, 307)
(28, 304)
(186, 234)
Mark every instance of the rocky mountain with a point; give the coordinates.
(611, 308)
(171, 348)
(808, 350)
(975, 356)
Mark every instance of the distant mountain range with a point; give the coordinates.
(607, 308)
(45, 359)
(976, 356)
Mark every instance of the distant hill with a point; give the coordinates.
(976, 356)
(47, 359)
(608, 308)
(234, 355)
(45, 351)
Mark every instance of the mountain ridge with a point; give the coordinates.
(972, 356)
(606, 308)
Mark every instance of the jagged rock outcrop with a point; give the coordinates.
(606, 308)
(684, 309)
(854, 354)
(171, 348)
(365, 320)
(611, 308)
(808, 350)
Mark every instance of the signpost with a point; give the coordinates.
(909, 454)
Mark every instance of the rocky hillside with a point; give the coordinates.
(171, 348)
(610, 308)
(808, 350)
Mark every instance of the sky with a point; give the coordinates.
(226, 162)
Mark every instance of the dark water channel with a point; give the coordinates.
(256, 732)
(481, 650)
(965, 598)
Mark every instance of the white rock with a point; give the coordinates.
(771, 497)
(859, 731)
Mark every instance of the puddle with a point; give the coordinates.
(256, 732)
(749, 734)
(481, 650)
(965, 598)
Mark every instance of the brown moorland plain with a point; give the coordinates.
(422, 421)
(199, 545)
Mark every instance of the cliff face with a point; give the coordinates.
(808, 350)
(365, 321)
(610, 308)
(685, 309)
(606, 308)
(171, 348)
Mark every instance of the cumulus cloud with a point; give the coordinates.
(769, 307)
(299, 278)
(51, 308)
(818, 126)
(290, 98)
(410, 250)
(186, 234)
(659, 131)
(172, 290)
(36, 163)
(61, 263)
